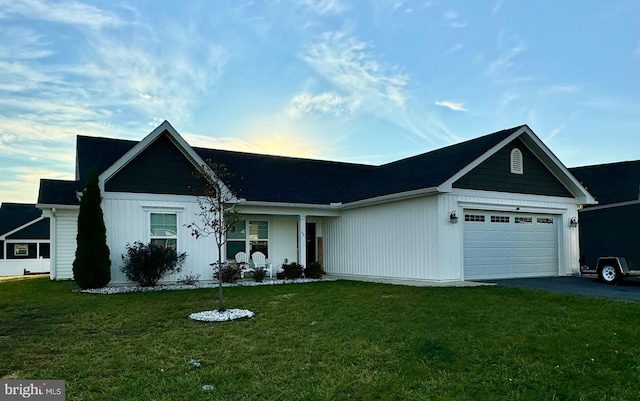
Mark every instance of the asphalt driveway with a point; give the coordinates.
(629, 289)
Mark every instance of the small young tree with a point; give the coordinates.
(92, 266)
(217, 213)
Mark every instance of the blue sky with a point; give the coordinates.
(367, 81)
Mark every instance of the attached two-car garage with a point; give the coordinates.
(505, 245)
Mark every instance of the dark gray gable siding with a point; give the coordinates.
(159, 169)
(39, 230)
(494, 174)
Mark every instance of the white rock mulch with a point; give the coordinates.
(176, 287)
(217, 316)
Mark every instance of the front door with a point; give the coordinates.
(311, 243)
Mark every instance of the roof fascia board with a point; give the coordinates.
(558, 169)
(518, 197)
(448, 184)
(610, 205)
(49, 206)
(288, 209)
(543, 153)
(391, 197)
(22, 227)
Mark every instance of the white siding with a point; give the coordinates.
(127, 221)
(282, 240)
(16, 267)
(389, 240)
(65, 225)
(563, 208)
(414, 239)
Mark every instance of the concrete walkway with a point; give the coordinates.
(409, 282)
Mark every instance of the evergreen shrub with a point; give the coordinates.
(146, 264)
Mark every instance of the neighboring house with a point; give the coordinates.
(24, 240)
(612, 228)
(495, 206)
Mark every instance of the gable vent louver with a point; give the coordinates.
(516, 161)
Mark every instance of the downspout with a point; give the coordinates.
(52, 247)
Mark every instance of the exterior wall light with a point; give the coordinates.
(573, 222)
(453, 219)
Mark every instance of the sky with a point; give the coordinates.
(367, 81)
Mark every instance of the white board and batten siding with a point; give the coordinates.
(414, 239)
(283, 234)
(386, 240)
(127, 219)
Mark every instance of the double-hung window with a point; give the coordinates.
(164, 229)
(259, 237)
(251, 236)
(236, 239)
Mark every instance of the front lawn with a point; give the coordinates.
(322, 341)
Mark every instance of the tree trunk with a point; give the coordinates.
(221, 307)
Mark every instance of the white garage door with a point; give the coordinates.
(502, 245)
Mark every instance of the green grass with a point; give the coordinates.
(323, 341)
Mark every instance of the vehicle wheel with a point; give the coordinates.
(609, 274)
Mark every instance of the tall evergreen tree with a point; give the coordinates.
(92, 266)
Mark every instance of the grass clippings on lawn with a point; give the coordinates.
(323, 341)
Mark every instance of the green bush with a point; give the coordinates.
(292, 271)
(147, 263)
(230, 272)
(314, 270)
(259, 273)
(189, 279)
(92, 265)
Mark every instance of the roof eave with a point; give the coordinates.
(391, 197)
(49, 206)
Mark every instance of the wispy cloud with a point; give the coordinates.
(346, 63)
(451, 105)
(555, 89)
(166, 87)
(496, 7)
(454, 49)
(452, 20)
(324, 6)
(364, 85)
(21, 183)
(67, 12)
(505, 62)
(324, 103)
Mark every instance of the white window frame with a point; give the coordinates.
(177, 211)
(517, 161)
(247, 236)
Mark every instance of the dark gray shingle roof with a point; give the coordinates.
(14, 215)
(295, 180)
(611, 183)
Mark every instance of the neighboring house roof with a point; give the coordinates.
(611, 183)
(22, 221)
(295, 180)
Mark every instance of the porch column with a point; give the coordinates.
(302, 239)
